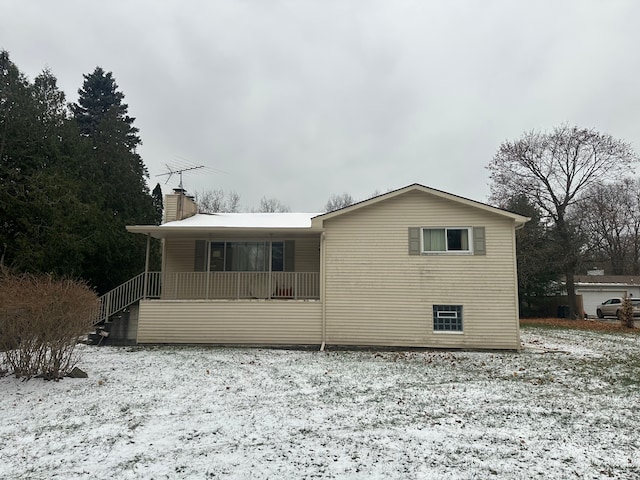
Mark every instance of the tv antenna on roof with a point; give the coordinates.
(180, 171)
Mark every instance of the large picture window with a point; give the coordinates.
(446, 240)
(447, 318)
(246, 256)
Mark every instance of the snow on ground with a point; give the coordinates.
(564, 407)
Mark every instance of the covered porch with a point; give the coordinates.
(234, 279)
(238, 257)
(241, 266)
(214, 308)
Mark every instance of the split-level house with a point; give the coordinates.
(415, 267)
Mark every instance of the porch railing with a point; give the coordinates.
(213, 285)
(141, 286)
(241, 285)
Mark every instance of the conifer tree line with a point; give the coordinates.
(71, 179)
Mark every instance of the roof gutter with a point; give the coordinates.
(205, 232)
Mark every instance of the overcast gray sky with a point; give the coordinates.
(301, 99)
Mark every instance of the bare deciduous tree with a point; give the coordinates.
(272, 205)
(611, 215)
(553, 169)
(336, 202)
(213, 201)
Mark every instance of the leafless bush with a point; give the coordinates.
(41, 319)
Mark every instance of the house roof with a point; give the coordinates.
(207, 222)
(518, 219)
(296, 222)
(245, 220)
(606, 280)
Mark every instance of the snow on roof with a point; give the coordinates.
(245, 220)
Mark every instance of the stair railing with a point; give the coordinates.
(145, 285)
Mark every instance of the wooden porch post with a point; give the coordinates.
(146, 269)
(270, 291)
(208, 269)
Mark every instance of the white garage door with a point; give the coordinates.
(591, 299)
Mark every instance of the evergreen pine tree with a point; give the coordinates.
(43, 219)
(15, 123)
(70, 184)
(158, 204)
(117, 180)
(119, 172)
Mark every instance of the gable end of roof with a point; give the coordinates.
(518, 219)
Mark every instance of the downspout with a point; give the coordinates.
(517, 299)
(146, 269)
(323, 300)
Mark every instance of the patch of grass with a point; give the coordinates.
(622, 372)
(617, 368)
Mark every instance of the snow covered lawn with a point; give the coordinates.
(171, 412)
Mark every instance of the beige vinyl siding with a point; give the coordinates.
(179, 255)
(378, 294)
(178, 207)
(287, 322)
(307, 258)
(170, 208)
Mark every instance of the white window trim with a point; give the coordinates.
(447, 252)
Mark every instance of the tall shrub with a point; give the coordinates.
(626, 314)
(41, 319)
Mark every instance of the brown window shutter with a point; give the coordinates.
(199, 264)
(289, 256)
(479, 241)
(414, 240)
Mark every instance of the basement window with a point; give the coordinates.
(447, 318)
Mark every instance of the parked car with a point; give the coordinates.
(613, 307)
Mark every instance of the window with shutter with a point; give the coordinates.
(447, 240)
